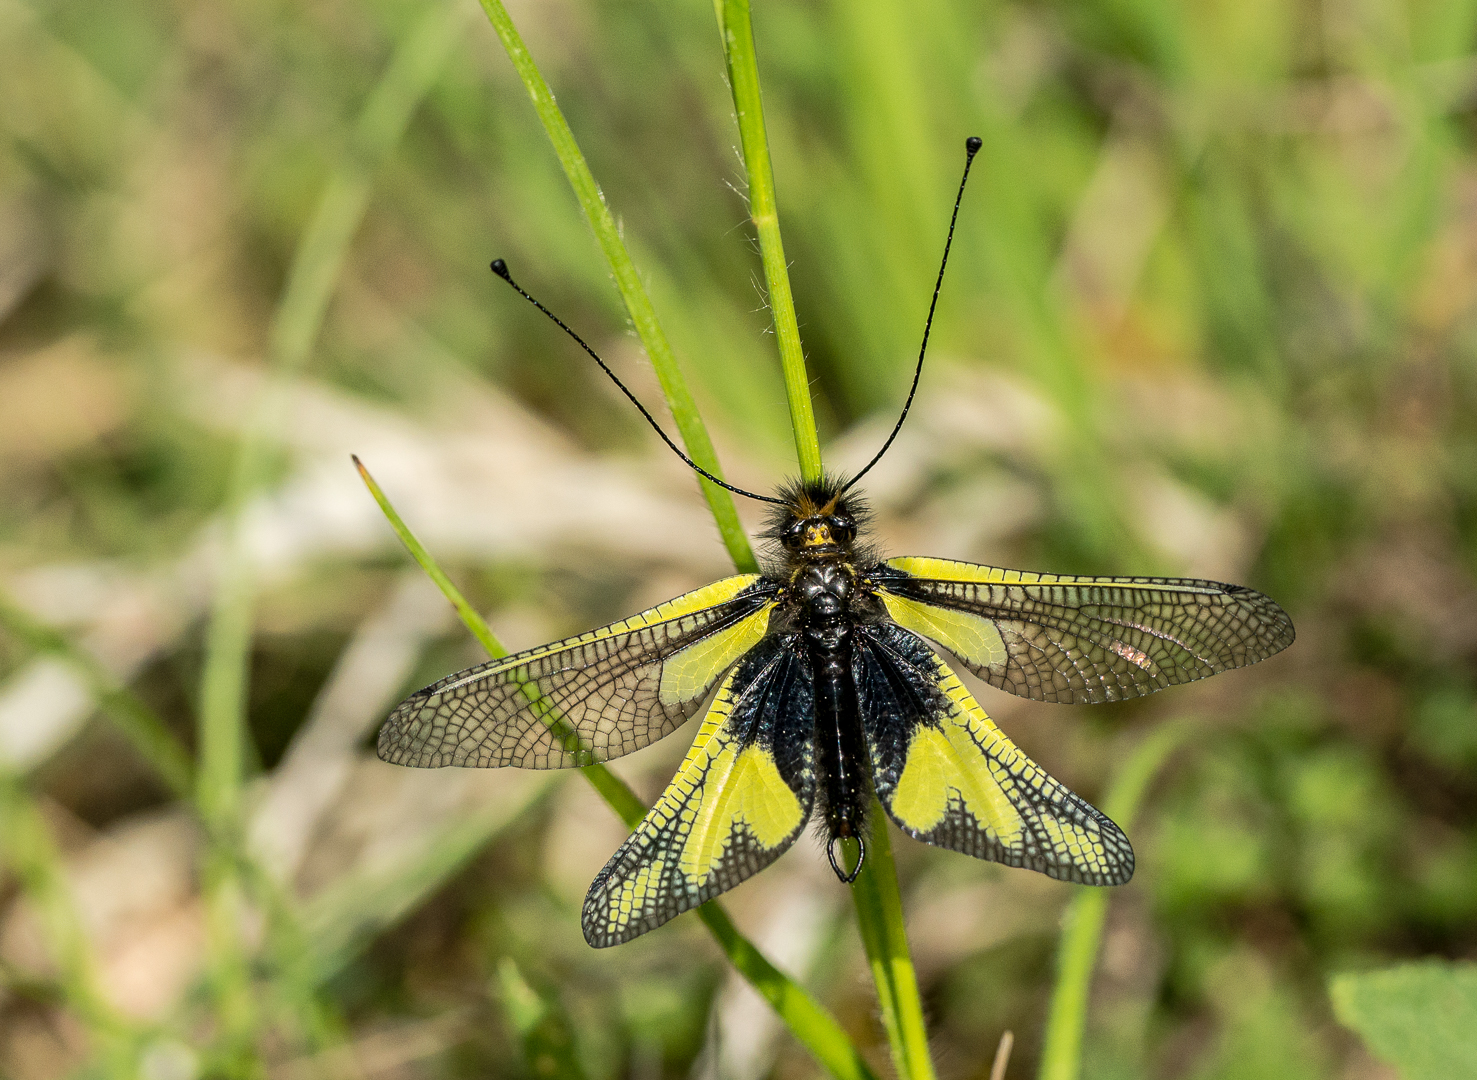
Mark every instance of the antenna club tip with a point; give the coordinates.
(973, 144)
(500, 268)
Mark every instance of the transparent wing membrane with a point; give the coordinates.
(588, 698)
(1082, 639)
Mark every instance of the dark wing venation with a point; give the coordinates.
(975, 791)
(572, 702)
(718, 822)
(1092, 639)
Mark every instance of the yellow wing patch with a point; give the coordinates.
(744, 790)
(944, 768)
(972, 637)
(963, 785)
(727, 813)
(690, 672)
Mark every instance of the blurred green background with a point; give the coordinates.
(1210, 311)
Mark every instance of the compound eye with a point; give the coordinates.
(794, 536)
(843, 529)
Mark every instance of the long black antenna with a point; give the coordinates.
(500, 268)
(971, 147)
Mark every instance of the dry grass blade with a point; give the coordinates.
(1002, 1056)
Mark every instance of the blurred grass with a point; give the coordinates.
(1082, 923)
(1211, 311)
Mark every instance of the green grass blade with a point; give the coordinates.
(138, 723)
(879, 915)
(638, 304)
(878, 902)
(468, 614)
(815, 1028)
(743, 76)
(1082, 928)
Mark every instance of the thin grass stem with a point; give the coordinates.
(1082, 927)
(815, 1028)
(1002, 1055)
(824, 1037)
(743, 76)
(638, 304)
(875, 892)
(879, 914)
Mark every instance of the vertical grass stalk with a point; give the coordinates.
(879, 916)
(638, 304)
(880, 911)
(1082, 927)
(748, 104)
(815, 1028)
(878, 903)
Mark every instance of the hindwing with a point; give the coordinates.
(737, 803)
(949, 777)
(588, 698)
(1081, 639)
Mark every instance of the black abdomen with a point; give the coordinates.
(825, 592)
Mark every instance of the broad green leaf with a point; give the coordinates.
(1421, 1018)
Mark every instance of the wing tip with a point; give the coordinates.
(600, 932)
(388, 747)
(395, 743)
(1122, 872)
(598, 939)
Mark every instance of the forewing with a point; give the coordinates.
(1082, 639)
(588, 698)
(948, 776)
(739, 800)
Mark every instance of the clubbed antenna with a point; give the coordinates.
(971, 147)
(500, 268)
